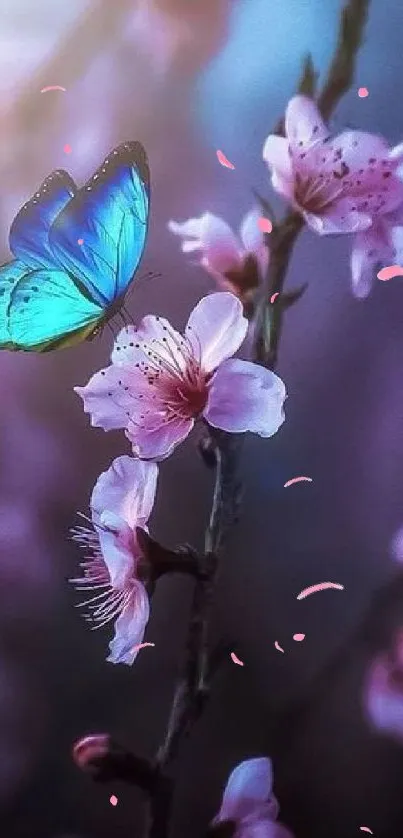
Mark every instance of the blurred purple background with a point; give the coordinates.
(187, 78)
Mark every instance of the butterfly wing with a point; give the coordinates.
(9, 276)
(29, 232)
(109, 216)
(45, 310)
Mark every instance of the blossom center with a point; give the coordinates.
(106, 605)
(176, 384)
(322, 178)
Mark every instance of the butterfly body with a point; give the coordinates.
(76, 252)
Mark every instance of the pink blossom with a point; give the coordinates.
(160, 382)
(236, 263)
(248, 803)
(383, 695)
(122, 500)
(376, 248)
(339, 184)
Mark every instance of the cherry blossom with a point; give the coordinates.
(249, 808)
(122, 500)
(236, 263)
(339, 184)
(160, 382)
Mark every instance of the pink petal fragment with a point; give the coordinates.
(67, 148)
(235, 659)
(278, 647)
(113, 800)
(265, 225)
(141, 646)
(80, 241)
(322, 586)
(390, 272)
(363, 92)
(298, 637)
(297, 479)
(366, 829)
(224, 160)
(53, 87)
(274, 296)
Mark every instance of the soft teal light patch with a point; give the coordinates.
(256, 72)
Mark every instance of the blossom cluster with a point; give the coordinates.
(158, 385)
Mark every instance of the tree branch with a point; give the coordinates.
(269, 318)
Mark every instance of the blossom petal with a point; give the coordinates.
(246, 397)
(303, 122)
(277, 156)
(262, 828)
(213, 237)
(126, 489)
(341, 219)
(105, 399)
(363, 261)
(216, 329)
(384, 703)
(396, 153)
(367, 174)
(130, 627)
(250, 781)
(381, 245)
(138, 347)
(253, 239)
(251, 234)
(158, 437)
(119, 548)
(265, 828)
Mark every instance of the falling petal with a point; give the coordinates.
(298, 637)
(236, 659)
(52, 87)
(363, 92)
(322, 586)
(297, 480)
(113, 800)
(265, 225)
(141, 646)
(390, 272)
(278, 647)
(274, 296)
(224, 160)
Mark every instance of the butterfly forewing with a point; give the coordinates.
(109, 217)
(29, 232)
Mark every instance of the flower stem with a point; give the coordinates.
(192, 688)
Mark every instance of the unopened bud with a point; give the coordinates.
(89, 753)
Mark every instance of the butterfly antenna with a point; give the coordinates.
(128, 316)
(143, 277)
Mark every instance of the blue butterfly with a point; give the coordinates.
(76, 252)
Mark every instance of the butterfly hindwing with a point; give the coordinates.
(100, 235)
(9, 276)
(29, 232)
(46, 309)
